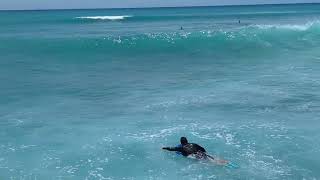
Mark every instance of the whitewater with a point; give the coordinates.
(96, 94)
(104, 17)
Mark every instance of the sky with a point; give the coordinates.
(86, 4)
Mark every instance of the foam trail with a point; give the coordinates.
(112, 18)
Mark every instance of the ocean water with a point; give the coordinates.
(95, 94)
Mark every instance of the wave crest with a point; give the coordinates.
(111, 18)
(296, 27)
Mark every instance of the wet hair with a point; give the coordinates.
(183, 140)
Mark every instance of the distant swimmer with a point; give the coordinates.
(198, 152)
(239, 21)
(181, 28)
(186, 149)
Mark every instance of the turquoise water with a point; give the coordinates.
(95, 94)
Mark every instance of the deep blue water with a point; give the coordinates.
(95, 94)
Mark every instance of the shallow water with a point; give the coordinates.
(97, 97)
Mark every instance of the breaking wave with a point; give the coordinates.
(111, 18)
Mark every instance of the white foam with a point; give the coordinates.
(297, 27)
(112, 18)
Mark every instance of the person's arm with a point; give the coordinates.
(179, 149)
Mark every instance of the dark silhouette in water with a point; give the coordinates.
(181, 28)
(187, 149)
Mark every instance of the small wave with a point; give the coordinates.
(296, 27)
(111, 18)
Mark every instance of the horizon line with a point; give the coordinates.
(158, 7)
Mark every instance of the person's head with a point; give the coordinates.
(183, 140)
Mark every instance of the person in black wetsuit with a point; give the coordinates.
(187, 149)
